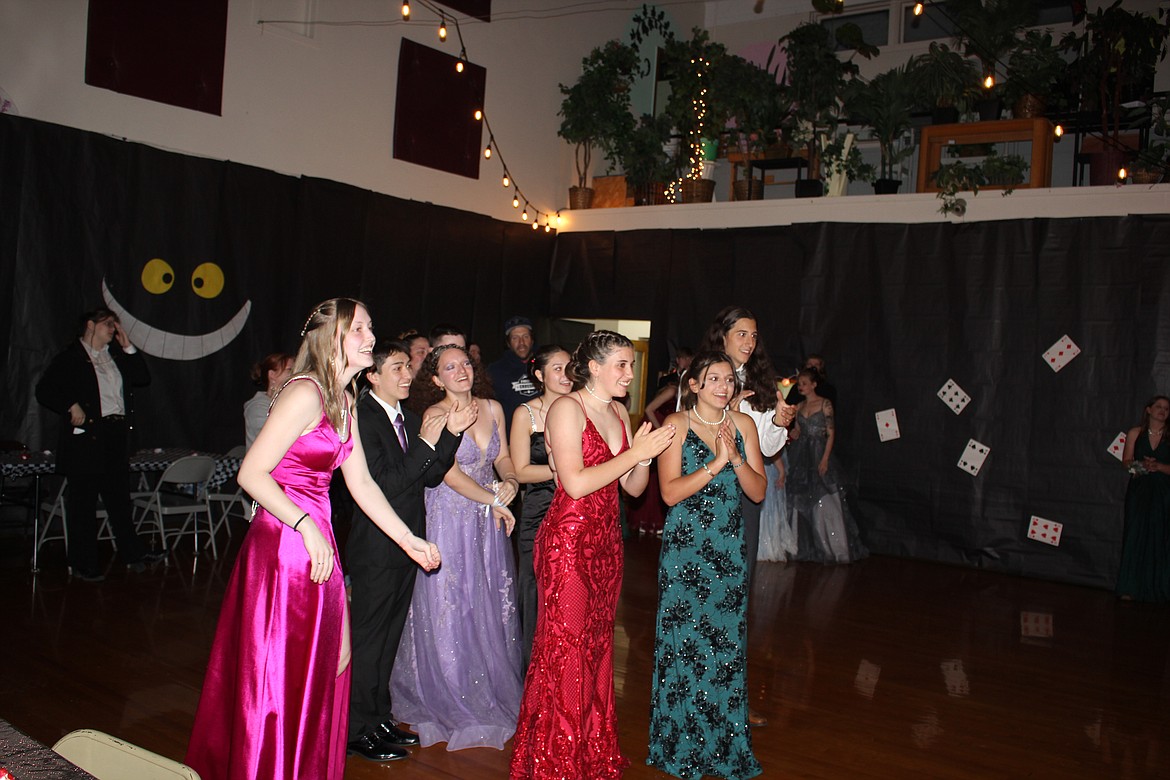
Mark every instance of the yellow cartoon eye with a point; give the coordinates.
(207, 281)
(157, 276)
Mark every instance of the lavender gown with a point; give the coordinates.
(457, 674)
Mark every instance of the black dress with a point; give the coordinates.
(1145, 551)
(536, 502)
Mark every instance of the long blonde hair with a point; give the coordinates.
(321, 343)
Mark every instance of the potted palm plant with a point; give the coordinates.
(596, 111)
(1117, 53)
(944, 79)
(884, 104)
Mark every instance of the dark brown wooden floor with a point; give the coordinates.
(888, 668)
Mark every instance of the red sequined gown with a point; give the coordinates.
(568, 727)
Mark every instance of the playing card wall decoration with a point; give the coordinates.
(953, 396)
(1117, 446)
(973, 456)
(1061, 353)
(887, 425)
(1043, 530)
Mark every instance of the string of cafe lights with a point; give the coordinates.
(492, 148)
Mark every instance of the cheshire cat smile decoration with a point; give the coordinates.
(158, 278)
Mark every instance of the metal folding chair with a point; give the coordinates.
(181, 491)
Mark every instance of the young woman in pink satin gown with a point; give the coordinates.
(275, 701)
(568, 727)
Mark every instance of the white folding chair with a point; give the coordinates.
(229, 501)
(181, 491)
(109, 758)
(55, 528)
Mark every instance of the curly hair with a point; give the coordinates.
(698, 371)
(759, 376)
(424, 393)
(321, 348)
(598, 346)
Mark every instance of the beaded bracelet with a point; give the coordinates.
(709, 474)
(737, 465)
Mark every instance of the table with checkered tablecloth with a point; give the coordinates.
(14, 465)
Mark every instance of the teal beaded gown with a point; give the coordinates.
(698, 705)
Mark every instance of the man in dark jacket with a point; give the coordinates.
(88, 384)
(405, 454)
(510, 380)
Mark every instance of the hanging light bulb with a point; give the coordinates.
(487, 152)
(524, 216)
(459, 66)
(443, 29)
(534, 225)
(507, 181)
(478, 115)
(406, 10)
(1122, 174)
(560, 219)
(919, 8)
(1058, 131)
(547, 227)
(989, 81)
(516, 201)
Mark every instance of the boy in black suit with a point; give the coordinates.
(89, 385)
(405, 454)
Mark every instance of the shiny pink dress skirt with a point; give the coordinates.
(272, 704)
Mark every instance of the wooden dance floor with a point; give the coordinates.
(888, 668)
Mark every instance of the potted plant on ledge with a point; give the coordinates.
(1117, 55)
(1034, 69)
(884, 104)
(596, 111)
(816, 78)
(944, 79)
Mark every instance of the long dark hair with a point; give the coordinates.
(539, 362)
(1146, 409)
(697, 371)
(759, 376)
(598, 346)
(424, 393)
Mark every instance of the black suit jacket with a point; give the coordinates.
(401, 477)
(71, 379)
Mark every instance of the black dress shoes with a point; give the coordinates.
(392, 735)
(372, 748)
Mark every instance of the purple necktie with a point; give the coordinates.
(401, 431)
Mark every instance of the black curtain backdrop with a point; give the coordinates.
(896, 309)
(78, 208)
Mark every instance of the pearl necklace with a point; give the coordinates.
(1152, 432)
(589, 390)
(695, 411)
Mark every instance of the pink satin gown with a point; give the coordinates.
(273, 705)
